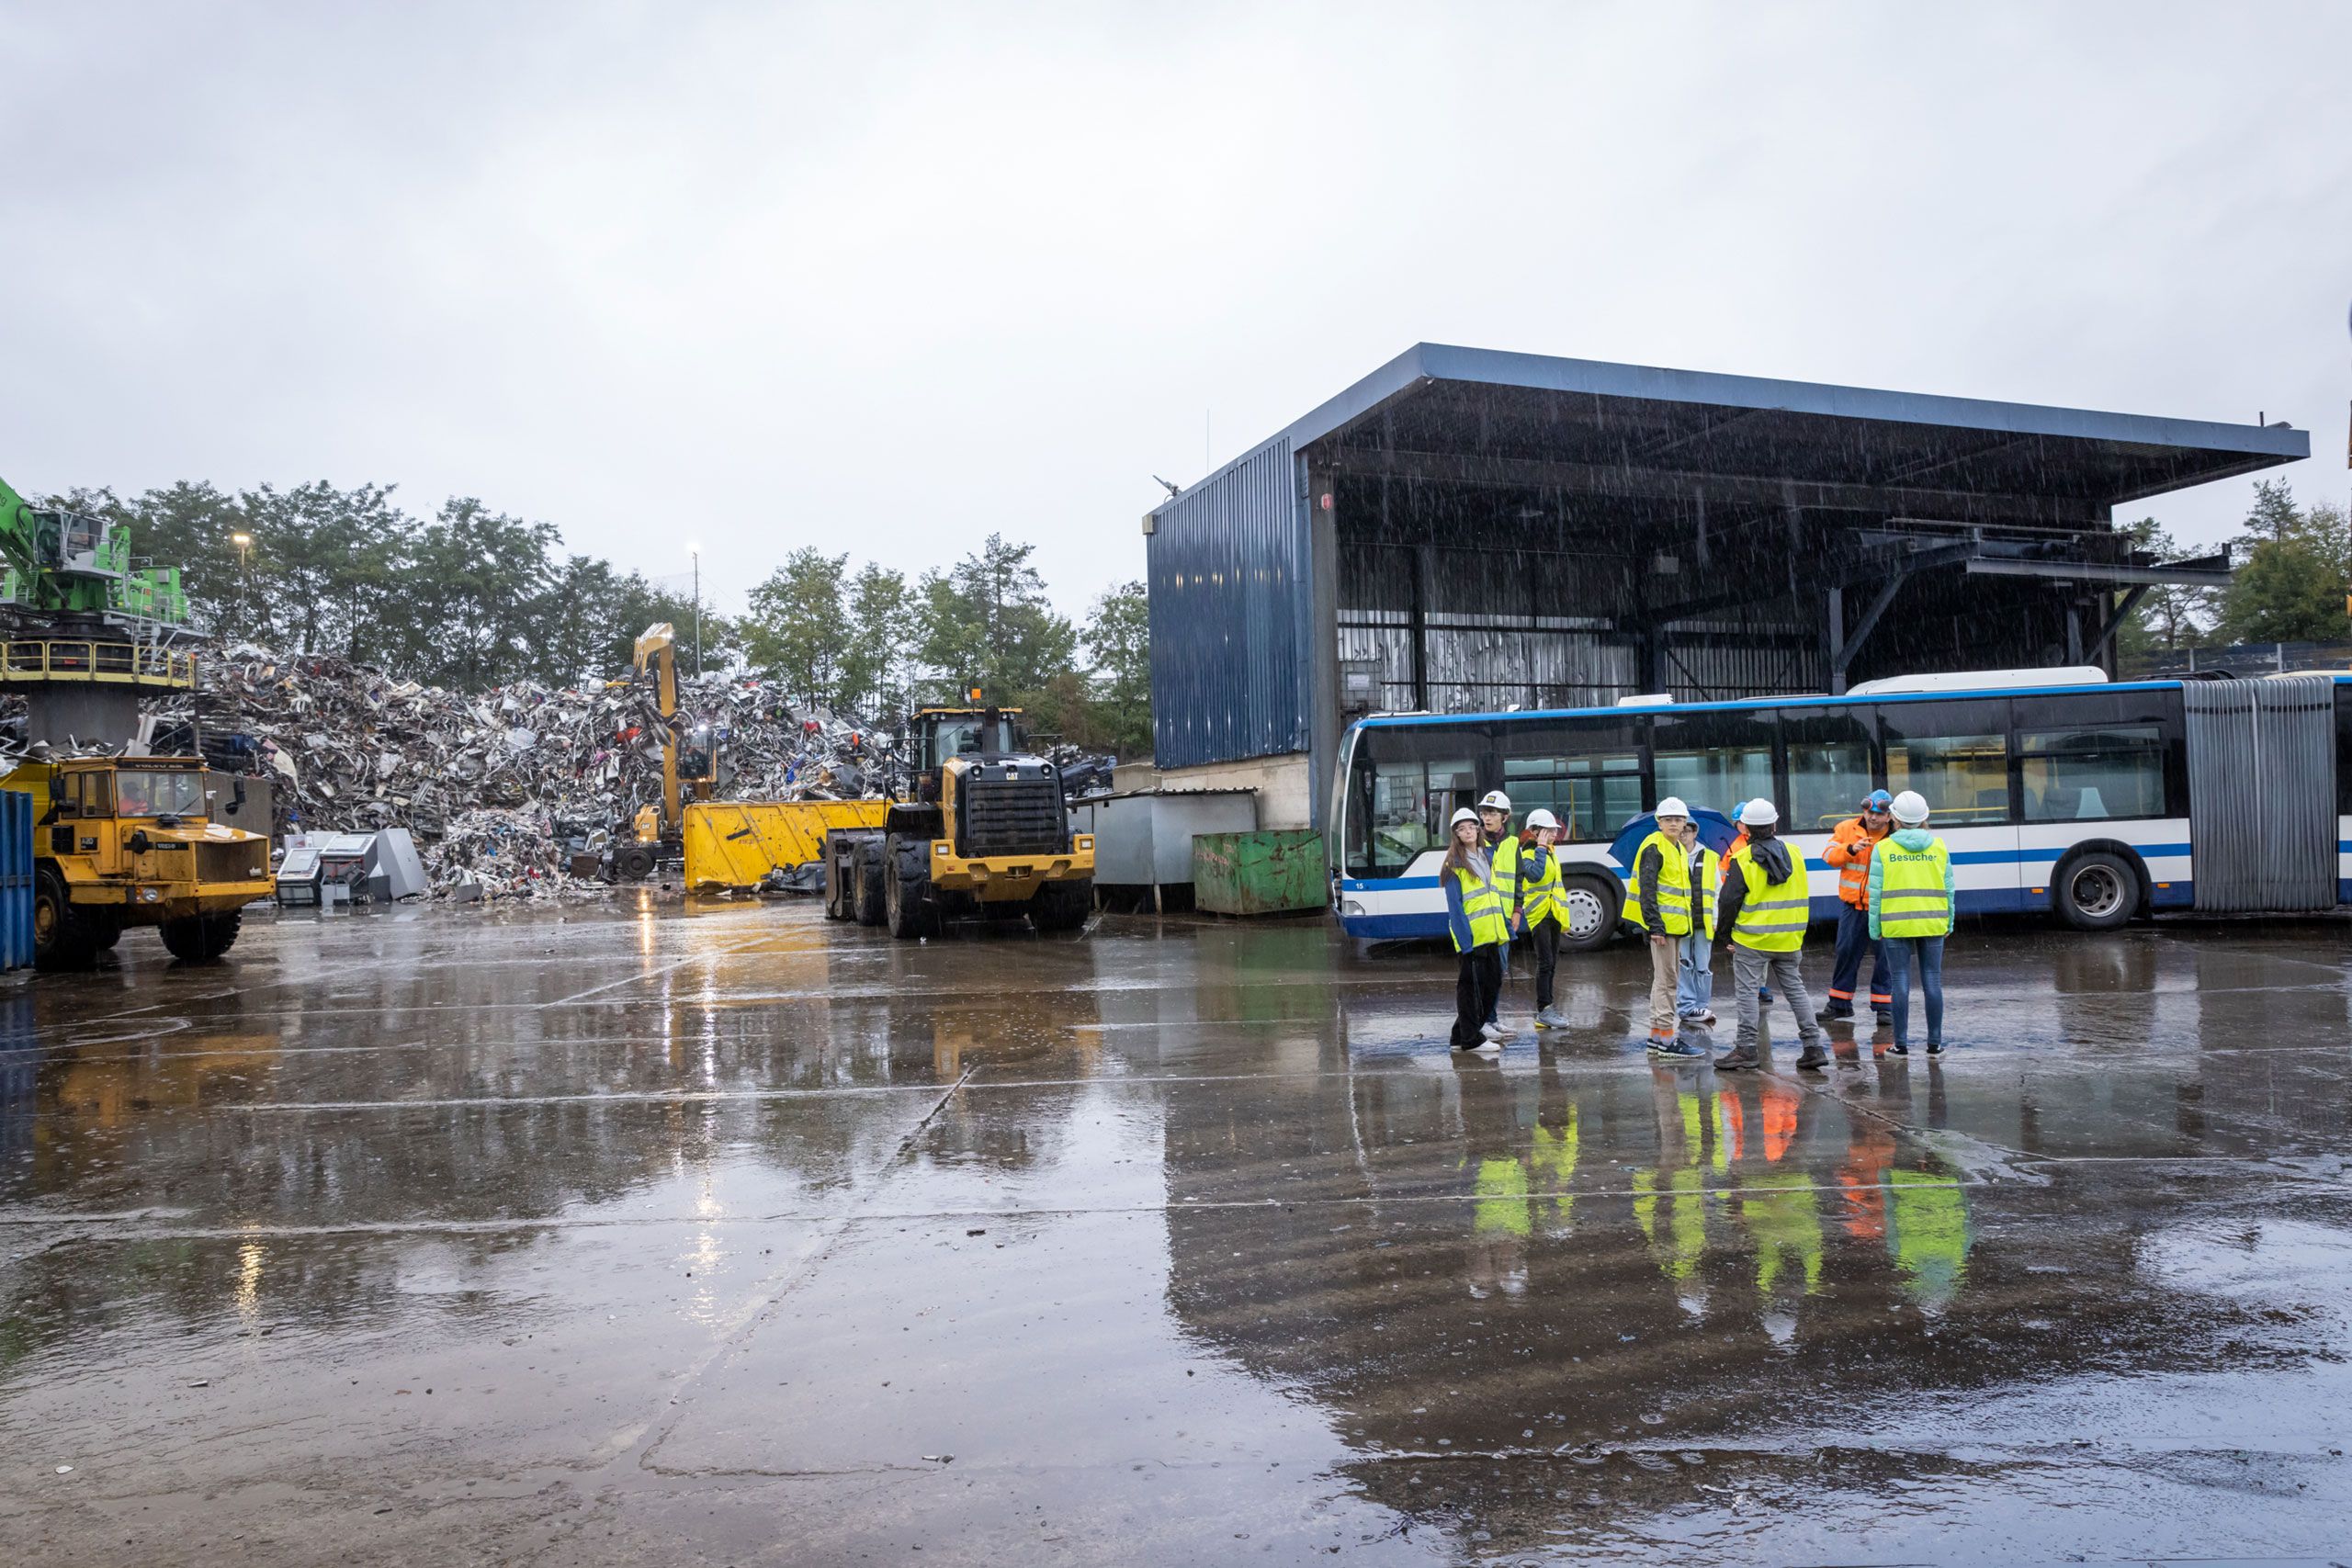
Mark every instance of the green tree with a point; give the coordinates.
(1118, 645)
(2170, 615)
(477, 588)
(986, 622)
(331, 558)
(878, 652)
(797, 628)
(2297, 569)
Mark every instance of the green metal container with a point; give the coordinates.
(1273, 871)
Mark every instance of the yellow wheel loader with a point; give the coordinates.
(979, 830)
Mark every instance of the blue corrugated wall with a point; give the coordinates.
(1232, 608)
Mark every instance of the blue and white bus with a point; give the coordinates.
(2057, 790)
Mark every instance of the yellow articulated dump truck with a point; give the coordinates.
(124, 841)
(736, 844)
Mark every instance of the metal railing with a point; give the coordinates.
(113, 663)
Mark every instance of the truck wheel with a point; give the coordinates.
(200, 939)
(633, 863)
(1062, 906)
(1592, 914)
(2097, 892)
(906, 889)
(104, 937)
(60, 937)
(871, 909)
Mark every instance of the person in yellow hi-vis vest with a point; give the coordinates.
(1479, 924)
(1502, 857)
(1766, 906)
(1911, 909)
(1539, 907)
(1661, 900)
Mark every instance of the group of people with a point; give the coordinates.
(1894, 886)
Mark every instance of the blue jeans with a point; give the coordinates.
(1695, 981)
(1930, 952)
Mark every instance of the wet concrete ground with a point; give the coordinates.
(626, 1234)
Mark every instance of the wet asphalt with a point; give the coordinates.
(633, 1232)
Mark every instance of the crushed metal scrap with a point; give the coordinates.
(515, 791)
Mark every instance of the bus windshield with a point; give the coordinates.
(158, 792)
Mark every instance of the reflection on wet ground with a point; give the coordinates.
(633, 1234)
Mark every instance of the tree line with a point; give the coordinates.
(472, 598)
(2294, 568)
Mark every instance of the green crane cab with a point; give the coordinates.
(125, 841)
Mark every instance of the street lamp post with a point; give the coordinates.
(245, 543)
(696, 551)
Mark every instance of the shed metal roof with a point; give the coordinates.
(1573, 421)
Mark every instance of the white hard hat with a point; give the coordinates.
(1760, 813)
(1539, 818)
(1671, 806)
(1911, 806)
(1496, 801)
(1465, 815)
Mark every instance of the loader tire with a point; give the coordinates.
(633, 863)
(871, 909)
(200, 939)
(914, 912)
(1062, 906)
(61, 938)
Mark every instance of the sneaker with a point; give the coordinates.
(1707, 1017)
(1677, 1051)
(1495, 1033)
(1740, 1058)
(1487, 1048)
(1814, 1058)
(1935, 1047)
(1763, 993)
(1551, 1017)
(1898, 1049)
(1834, 1013)
(1883, 1018)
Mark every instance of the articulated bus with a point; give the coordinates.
(2057, 790)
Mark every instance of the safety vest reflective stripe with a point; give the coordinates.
(1482, 906)
(1540, 894)
(1505, 857)
(1912, 900)
(1772, 915)
(1673, 889)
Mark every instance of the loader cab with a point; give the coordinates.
(935, 735)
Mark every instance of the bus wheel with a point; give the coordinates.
(2097, 892)
(1591, 913)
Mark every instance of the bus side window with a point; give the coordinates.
(1954, 753)
(2090, 774)
(1829, 766)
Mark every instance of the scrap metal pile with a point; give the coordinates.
(512, 792)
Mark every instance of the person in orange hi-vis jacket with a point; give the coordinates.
(1851, 843)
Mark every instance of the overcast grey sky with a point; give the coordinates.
(886, 277)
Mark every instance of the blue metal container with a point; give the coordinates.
(15, 879)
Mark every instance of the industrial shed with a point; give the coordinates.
(1467, 530)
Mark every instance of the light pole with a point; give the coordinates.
(696, 551)
(245, 543)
